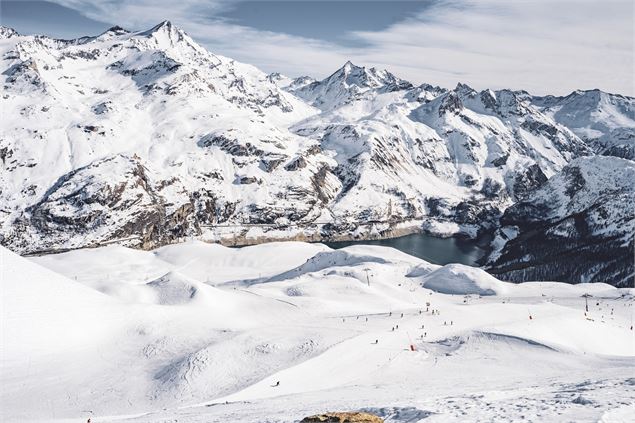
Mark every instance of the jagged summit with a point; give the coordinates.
(606, 121)
(168, 35)
(110, 33)
(348, 83)
(463, 88)
(360, 76)
(115, 30)
(349, 67)
(163, 26)
(7, 32)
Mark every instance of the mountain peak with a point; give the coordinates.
(7, 32)
(363, 77)
(167, 35)
(116, 30)
(461, 87)
(165, 27)
(464, 91)
(348, 83)
(113, 31)
(450, 103)
(347, 69)
(349, 66)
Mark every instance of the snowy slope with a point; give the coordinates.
(166, 335)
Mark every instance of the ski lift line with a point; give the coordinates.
(406, 311)
(189, 263)
(269, 298)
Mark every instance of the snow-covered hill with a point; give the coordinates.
(145, 138)
(198, 332)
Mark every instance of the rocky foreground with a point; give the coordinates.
(343, 417)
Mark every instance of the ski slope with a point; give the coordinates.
(198, 332)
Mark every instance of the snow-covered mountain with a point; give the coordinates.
(146, 138)
(103, 135)
(605, 121)
(578, 226)
(349, 83)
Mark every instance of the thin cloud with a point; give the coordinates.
(540, 46)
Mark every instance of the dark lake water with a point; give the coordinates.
(432, 249)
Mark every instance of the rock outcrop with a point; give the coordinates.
(343, 417)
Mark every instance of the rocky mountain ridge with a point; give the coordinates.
(145, 138)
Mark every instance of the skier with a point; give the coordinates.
(277, 383)
(397, 327)
(402, 315)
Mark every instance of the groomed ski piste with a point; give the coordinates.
(198, 332)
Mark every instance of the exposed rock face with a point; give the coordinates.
(191, 144)
(528, 181)
(130, 203)
(343, 417)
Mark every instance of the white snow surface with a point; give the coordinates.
(198, 332)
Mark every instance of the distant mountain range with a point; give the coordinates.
(145, 138)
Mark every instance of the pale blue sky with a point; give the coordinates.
(41, 17)
(325, 20)
(543, 46)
